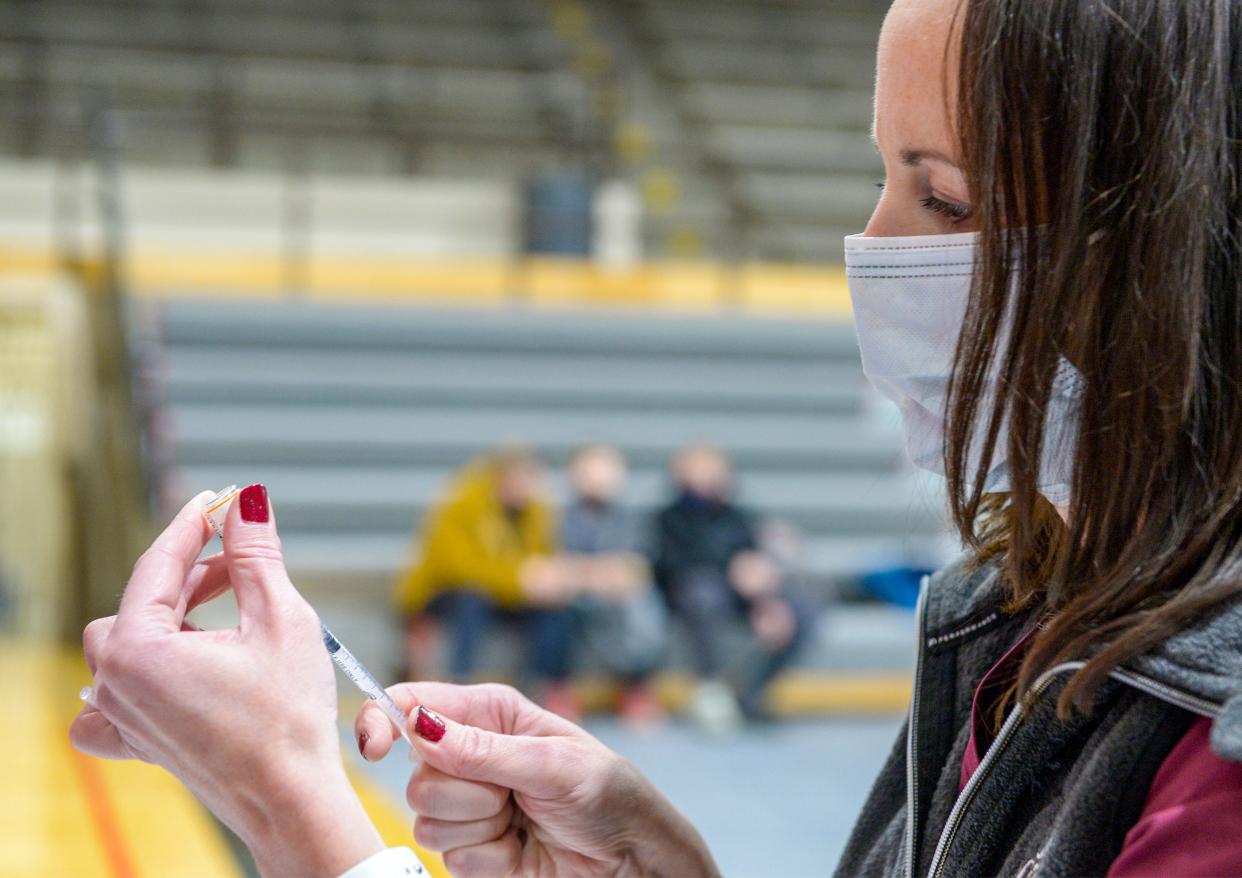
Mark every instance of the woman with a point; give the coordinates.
(1090, 440)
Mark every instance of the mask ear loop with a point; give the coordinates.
(1067, 380)
(1069, 384)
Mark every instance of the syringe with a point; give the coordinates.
(215, 511)
(365, 681)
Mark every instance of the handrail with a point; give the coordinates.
(112, 493)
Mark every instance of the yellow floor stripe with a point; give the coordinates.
(46, 826)
(167, 831)
(795, 693)
(808, 693)
(66, 814)
(395, 823)
(690, 286)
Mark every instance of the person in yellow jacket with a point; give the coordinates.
(487, 552)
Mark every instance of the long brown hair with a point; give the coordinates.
(1102, 141)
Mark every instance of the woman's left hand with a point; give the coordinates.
(246, 717)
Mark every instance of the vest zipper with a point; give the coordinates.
(912, 776)
(1166, 693)
(993, 753)
(1154, 688)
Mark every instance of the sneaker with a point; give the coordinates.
(714, 708)
(639, 707)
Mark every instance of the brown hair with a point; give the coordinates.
(1102, 139)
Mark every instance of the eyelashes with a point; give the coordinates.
(954, 211)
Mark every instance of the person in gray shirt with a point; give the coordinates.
(623, 619)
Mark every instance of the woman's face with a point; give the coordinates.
(916, 90)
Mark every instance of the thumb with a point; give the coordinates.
(539, 766)
(256, 565)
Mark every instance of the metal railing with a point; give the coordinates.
(69, 368)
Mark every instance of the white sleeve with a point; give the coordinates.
(392, 863)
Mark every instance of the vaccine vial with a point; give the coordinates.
(217, 508)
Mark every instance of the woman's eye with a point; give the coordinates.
(951, 209)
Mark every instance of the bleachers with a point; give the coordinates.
(776, 98)
(757, 110)
(356, 418)
(378, 87)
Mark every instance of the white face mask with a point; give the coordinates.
(910, 297)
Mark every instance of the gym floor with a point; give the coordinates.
(774, 800)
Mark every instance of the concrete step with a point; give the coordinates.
(312, 432)
(304, 325)
(206, 374)
(229, 446)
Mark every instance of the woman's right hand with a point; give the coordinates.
(506, 787)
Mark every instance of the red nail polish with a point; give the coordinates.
(362, 743)
(253, 503)
(428, 726)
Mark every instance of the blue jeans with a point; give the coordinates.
(470, 615)
(707, 604)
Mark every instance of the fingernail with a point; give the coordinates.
(362, 743)
(253, 503)
(428, 726)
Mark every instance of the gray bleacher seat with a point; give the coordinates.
(753, 147)
(805, 196)
(770, 63)
(806, 240)
(799, 27)
(779, 105)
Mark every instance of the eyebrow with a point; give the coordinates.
(912, 157)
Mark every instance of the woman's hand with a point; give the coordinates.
(508, 788)
(246, 718)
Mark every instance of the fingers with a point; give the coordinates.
(152, 598)
(490, 706)
(373, 731)
(432, 793)
(94, 636)
(256, 565)
(492, 860)
(448, 835)
(208, 579)
(91, 733)
(543, 767)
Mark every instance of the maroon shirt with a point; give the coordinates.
(1191, 825)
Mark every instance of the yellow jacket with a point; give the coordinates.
(470, 541)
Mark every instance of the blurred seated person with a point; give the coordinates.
(623, 620)
(487, 554)
(709, 565)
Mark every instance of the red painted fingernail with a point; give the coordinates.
(362, 743)
(428, 726)
(253, 503)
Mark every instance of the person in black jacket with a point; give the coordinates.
(708, 562)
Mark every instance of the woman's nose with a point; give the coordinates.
(889, 221)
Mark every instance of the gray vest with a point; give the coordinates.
(1051, 797)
